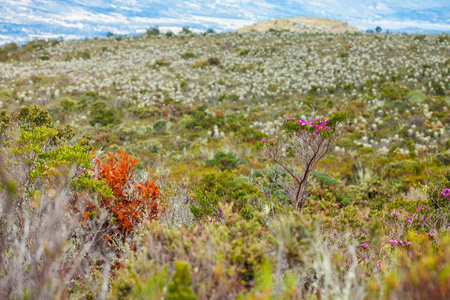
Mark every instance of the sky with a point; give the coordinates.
(22, 20)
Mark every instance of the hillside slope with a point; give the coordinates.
(301, 24)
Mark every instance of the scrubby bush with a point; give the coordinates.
(102, 114)
(162, 62)
(185, 30)
(188, 55)
(153, 31)
(216, 187)
(224, 161)
(444, 157)
(160, 126)
(3, 55)
(212, 61)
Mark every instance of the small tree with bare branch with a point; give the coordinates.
(310, 142)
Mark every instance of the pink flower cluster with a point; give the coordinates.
(431, 234)
(270, 142)
(445, 193)
(408, 219)
(219, 219)
(365, 245)
(400, 243)
(421, 208)
(315, 126)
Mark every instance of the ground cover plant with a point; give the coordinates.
(274, 165)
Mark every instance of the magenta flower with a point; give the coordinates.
(263, 140)
(431, 234)
(445, 193)
(408, 244)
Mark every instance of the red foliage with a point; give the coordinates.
(131, 202)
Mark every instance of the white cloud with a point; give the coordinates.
(396, 25)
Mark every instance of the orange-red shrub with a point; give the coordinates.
(131, 203)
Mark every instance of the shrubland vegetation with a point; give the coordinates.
(271, 165)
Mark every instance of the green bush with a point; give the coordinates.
(3, 55)
(4, 121)
(32, 116)
(102, 114)
(154, 31)
(394, 91)
(222, 186)
(84, 54)
(214, 61)
(224, 161)
(444, 157)
(67, 104)
(162, 62)
(185, 30)
(188, 55)
(200, 64)
(139, 279)
(50, 152)
(180, 288)
(160, 126)
(11, 47)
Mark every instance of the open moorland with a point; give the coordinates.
(256, 165)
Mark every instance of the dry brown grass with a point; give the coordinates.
(301, 24)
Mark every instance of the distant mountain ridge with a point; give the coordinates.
(301, 24)
(23, 20)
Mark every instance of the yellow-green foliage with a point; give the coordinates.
(139, 279)
(32, 116)
(188, 55)
(102, 114)
(212, 61)
(223, 256)
(4, 121)
(222, 186)
(51, 153)
(180, 288)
